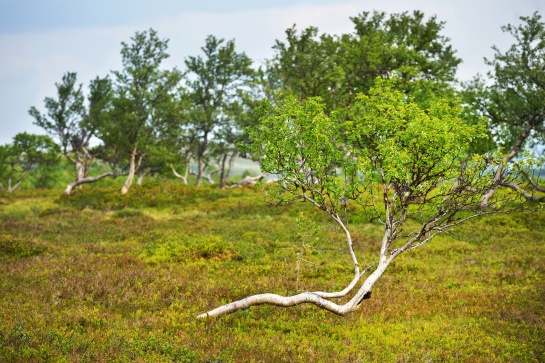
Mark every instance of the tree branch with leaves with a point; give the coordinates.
(399, 163)
(512, 102)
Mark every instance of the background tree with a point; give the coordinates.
(214, 84)
(512, 100)
(337, 68)
(405, 164)
(407, 46)
(307, 65)
(26, 153)
(143, 98)
(73, 124)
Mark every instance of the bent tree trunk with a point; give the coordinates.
(179, 176)
(209, 177)
(133, 167)
(250, 180)
(319, 298)
(11, 188)
(80, 182)
(305, 298)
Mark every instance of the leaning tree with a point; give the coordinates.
(512, 100)
(144, 96)
(400, 163)
(74, 124)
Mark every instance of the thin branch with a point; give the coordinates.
(523, 192)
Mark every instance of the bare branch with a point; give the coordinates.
(79, 182)
(523, 192)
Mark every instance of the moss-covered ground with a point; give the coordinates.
(98, 277)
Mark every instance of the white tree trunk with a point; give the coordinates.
(80, 182)
(183, 177)
(209, 177)
(304, 298)
(11, 188)
(248, 180)
(141, 176)
(80, 170)
(133, 167)
(130, 176)
(319, 298)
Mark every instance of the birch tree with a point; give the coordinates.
(27, 152)
(143, 99)
(513, 102)
(400, 163)
(73, 123)
(214, 82)
(336, 68)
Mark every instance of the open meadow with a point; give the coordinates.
(100, 277)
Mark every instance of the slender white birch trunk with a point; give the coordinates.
(141, 177)
(133, 167)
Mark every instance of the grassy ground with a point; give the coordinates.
(100, 277)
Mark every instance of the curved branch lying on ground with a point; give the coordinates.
(304, 298)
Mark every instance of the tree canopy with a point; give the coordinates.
(25, 153)
(511, 100)
(400, 163)
(148, 119)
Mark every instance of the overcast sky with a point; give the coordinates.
(40, 40)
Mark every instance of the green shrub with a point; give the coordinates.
(13, 246)
(158, 249)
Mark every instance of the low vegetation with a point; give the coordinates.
(97, 276)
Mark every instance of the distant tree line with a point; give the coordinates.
(144, 119)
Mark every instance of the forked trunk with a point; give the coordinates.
(17, 182)
(183, 177)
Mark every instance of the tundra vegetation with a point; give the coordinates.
(374, 150)
(102, 277)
